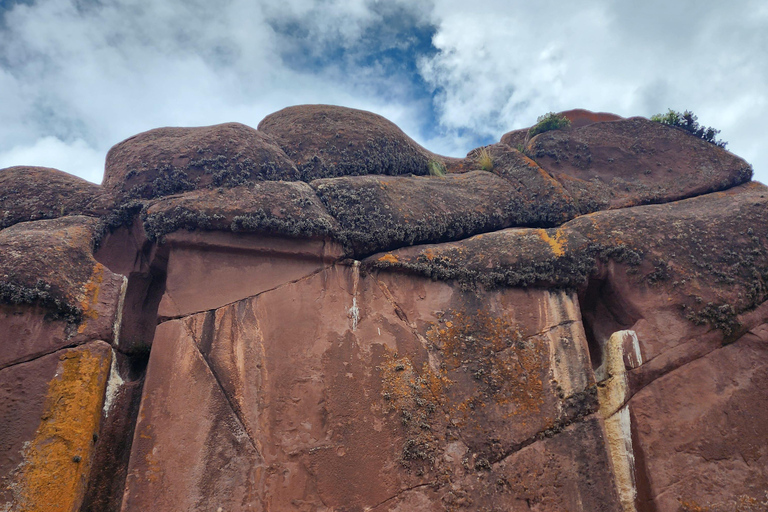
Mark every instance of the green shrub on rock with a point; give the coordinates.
(689, 122)
(548, 122)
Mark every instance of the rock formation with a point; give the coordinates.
(300, 317)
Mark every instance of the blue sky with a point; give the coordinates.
(78, 76)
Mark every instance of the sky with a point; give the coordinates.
(78, 76)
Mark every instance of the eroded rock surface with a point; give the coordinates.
(299, 318)
(33, 193)
(170, 160)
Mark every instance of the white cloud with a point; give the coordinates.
(81, 75)
(501, 65)
(76, 157)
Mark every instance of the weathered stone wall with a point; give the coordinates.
(193, 337)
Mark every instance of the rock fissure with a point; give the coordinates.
(400, 493)
(261, 293)
(236, 411)
(320, 381)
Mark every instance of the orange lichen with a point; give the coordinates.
(90, 296)
(556, 243)
(506, 368)
(389, 258)
(57, 461)
(414, 396)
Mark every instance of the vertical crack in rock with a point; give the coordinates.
(134, 329)
(621, 349)
(209, 330)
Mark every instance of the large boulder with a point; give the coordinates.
(532, 337)
(578, 117)
(167, 161)
(327, 141)
(271, 207)
(381, 212)
(53, 293)
(33, 193)
(634, 161)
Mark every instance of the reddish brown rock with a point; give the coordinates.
(542, 197)
(241, 265)
(707, 255)
(578, 117)
(364, 395)
(53, 293)
(327, 141)
(51, 408)
(613, 361)
(166, 161)
(634, 161)
(698, 431)
(32, 193)
(207, 461)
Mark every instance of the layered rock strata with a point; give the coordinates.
(299, 317)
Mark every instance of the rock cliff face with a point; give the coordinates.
(300, 317)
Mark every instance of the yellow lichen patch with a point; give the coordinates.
(389, 258)
(506, 368)
(90, 295)
(413, 398)
(556, 243)
(57, 461)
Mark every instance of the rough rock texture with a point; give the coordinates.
(327, 141)
(169, 160)
(375, 340)
(52, 409)
(53, 293)
(634, 161)
(32, 193)
(578, 118)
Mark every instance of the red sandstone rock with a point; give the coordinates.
(279, 208)
(51, 409)
(32, 193)
(613, 362)
(53, 292)
(634, 161)
(381, 212)
(166, 161)
(578, 117)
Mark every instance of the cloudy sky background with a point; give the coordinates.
(78, 76)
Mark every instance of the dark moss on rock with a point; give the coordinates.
(34, 193)
(48, 263)
(709, 254)
(545, 202)
(281, 208)
(327, 141)
(380, 212)
(168, 161)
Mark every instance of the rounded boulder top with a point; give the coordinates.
(327, 141)
(166, 161)
(32, 193)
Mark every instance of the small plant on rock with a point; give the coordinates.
(548, 122)
(436, 168)
(689, 122)
(485, 160)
